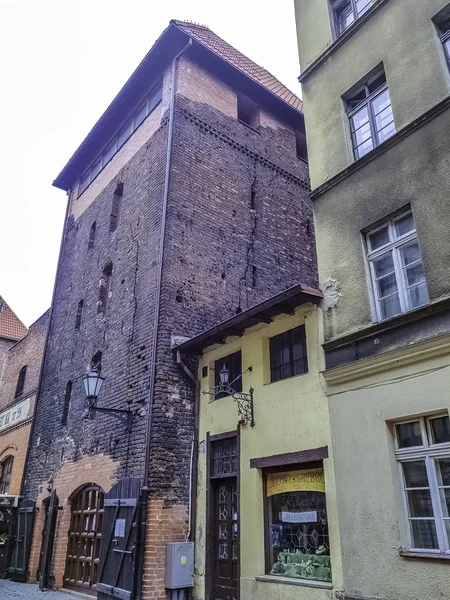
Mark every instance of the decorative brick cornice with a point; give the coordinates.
(208, 128)
(18, 426)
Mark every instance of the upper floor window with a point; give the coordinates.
(248, 112)
(370, 113)
(345, 12)
(444, 32)
(396, 269)
(423, 452)
(233, 362)
(115, 208)
(92, 232)
(132, 123)
(20, 382)
(5, 474)
(104, 289)
(288, 354)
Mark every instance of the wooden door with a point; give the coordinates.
(226, 539)
(117, 574)
(48, 538)
(85, 533)
(22, 541)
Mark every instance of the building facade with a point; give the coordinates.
(266, 518)
(376, 83)
(187, 204)
(18, 388)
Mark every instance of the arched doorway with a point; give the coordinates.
(83, 549)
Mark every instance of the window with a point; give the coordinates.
(346, 12)
(92, 231)
(370, 113)
(444, 33)
(115, 208)
(423, 452)
(300, 145)
(20, 382)
(297, 525)
(5, 474)
(288, 354)
(130, 126)
(248, 112)
(79, 314)
(395, 262)
(233, 362)
(224, 457)
(104, 289)
(66, 405)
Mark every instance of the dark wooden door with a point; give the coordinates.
(225, 523)
(83, 550)
(22, 540)
(117, 575)
(48, 538)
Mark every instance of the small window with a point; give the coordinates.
(104, 290)
(423, 453)
(92, 232)
(21, 382)
(66, 406)
(115, 208)
(5, 475)
(300, 145)
(444, 34)
(346, 12)
(248, 112)
(370, 114)
(288, 355)
(233, 362)
(224, 457)
(79, 314)
(297, 525)
(396, 269)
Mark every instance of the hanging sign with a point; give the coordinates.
(299, 517)
(311, 480)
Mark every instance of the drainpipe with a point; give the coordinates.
(194, 454)
(145, 488)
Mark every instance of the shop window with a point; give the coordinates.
(21, 382)
(5, 475)
(297, 525)
(288, 355)
(233, 362)
(423, 453)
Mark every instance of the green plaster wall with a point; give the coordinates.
(402, 36)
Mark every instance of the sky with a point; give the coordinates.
(62, 62)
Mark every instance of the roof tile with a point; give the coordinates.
(11, 327)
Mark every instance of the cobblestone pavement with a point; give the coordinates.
(11, 590)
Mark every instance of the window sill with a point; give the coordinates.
(249, 127)
(325, 585)
(408, 554)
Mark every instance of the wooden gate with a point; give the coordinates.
(22, 541)
(117, 574)
(48, 538)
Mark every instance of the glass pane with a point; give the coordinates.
(140, 115)
(415, 474)
(440, 431)
(419, 503)
(109, 153)
(390, 306)
(124, 134)
(96, 168)
(155, 99)
(404, 224)
(380, 103)
(359, 119)
(379, 238)
(387, 285)
(384, 265)
(424, 534)
(410, 253)
(443, 471)
(362, 6)
(364, 148)
(414, 274)
(418, 295)
(445, 499)
(345, 17)
(408, 435)
(386, 132)
(85, 182)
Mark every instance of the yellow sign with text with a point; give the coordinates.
(312, 480)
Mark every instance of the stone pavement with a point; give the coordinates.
(11, 590)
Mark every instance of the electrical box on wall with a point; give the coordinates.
(179, 565)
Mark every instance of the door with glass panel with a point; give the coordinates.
(223, 531)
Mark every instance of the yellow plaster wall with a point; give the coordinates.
(402, 36)
(368, 485)
(290, 415)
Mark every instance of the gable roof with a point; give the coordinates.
(216, 44)
(171, 41)
(11, 327)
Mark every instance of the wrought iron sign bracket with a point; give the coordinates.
(244, 401)
(125, 416)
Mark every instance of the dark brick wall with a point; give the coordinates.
(239, 229)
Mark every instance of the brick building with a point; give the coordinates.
(18, 387)
(187, 204)
(11, 331)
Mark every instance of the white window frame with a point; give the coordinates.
(430, 453)
(337, 4)
(395, 244)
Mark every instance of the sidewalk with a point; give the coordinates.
(10, 590)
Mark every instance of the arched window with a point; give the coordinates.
(5, 475)
(21, 382)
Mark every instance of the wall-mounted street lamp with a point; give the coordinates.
(244, 401)
(92, 385)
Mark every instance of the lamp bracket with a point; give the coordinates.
(125, 416)
(244, 401)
